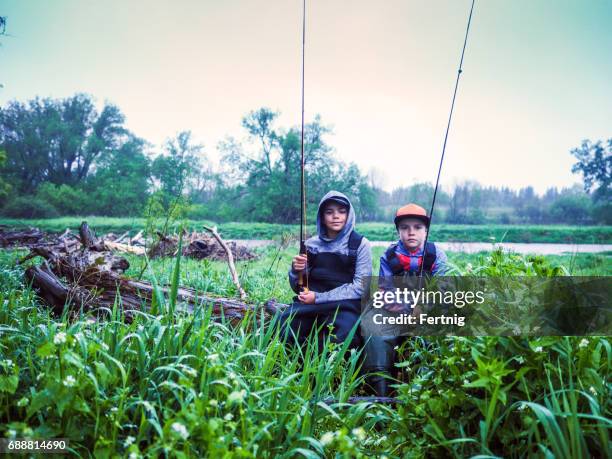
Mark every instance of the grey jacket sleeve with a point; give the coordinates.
(354, 290)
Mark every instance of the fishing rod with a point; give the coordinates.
(303, 275)
(450, 117)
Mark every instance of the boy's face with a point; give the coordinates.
(334, 217)
(412, 232)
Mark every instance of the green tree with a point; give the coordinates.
(175, 173)
(572, 208)
(178, 167)
(57, 140)
(262, 176)
(5, 187)
(120, 184)
(595, 165)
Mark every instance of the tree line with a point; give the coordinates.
(64, 157)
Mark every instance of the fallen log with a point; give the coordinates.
(92, 288)
(91, 279)
(199, 246)
(21, 238)
(122, 237)
(137, 239)
(89, 239)
(53, 291)
(136, 250)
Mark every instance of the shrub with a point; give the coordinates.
(29, 207)
(66, 199)
(602, 213)
(571, 209)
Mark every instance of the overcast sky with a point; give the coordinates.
(536, 78)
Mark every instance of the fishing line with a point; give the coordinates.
(450, 117)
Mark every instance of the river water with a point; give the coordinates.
(473, 247)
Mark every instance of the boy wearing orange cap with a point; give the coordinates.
(408, 256)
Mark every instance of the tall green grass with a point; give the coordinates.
(171, 384)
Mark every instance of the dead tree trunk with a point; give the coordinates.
(91, 279)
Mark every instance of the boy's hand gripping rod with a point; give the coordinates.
(303, 275)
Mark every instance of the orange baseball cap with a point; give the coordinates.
(411, 210)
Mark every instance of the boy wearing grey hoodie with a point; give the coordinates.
(337, 261)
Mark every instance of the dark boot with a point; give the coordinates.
(379, 357)
(379, 385)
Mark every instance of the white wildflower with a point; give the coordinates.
(584, 343)
(114, 409)
(69, 381)
(78, 336)
(327, 438)
(8, 362)
(128, 441)
(592, 390)
(60, 338)
(522, 407)
(23, 402)
(104, 346)
(191, 372)
(236, 396)
(180, 429)
(213, 357)
(40, 376)
(538, 349)
(134, 455)
(520, 359)
(466, 382)
(228, 417)
(381, 440)
(469, 268)
(232, 376)
(213, 403)
(359, 433)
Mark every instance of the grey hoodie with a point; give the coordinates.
(321, 243)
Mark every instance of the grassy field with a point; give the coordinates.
(174, 385)
(373, 231)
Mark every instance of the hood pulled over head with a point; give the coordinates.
(350, 219)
